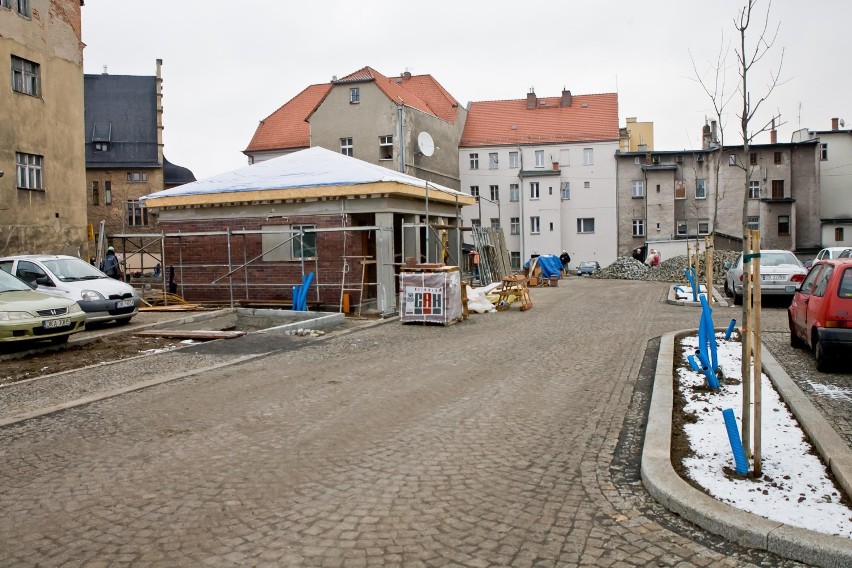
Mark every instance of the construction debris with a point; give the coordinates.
(671, 270)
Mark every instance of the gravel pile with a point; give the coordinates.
(671, 270)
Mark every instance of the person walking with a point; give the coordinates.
(110, 265)
(565, 258)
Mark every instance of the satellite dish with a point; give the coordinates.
(425, 144)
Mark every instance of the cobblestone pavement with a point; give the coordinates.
(507, 440)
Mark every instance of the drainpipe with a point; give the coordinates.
(521, 204)
(401, 120)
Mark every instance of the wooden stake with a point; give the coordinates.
(747, 337)
(758, 371)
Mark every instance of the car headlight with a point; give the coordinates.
(15, 316)
(91, 295)
(74, 308)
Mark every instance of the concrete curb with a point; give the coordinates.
(733, 524)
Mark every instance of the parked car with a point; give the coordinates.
(588, 267)
(829, 252)
(820, 315)
(101, 297)
(27, 315)
(780, 273)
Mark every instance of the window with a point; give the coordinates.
(96, 194)
(703, 227)
(101, 146)
(475, 223)
(821, 284)
(515, 260)
(515, 226)
(539, 158)
(354, 95)
(29, 168)
(26, 77)
(732, 160)
(137, 177)
(23, 7)
(495, 222)
(752, 158)
(535, 225)
(777, 157)
(474, 161)
(513, 160)
(783, 225)
(753, 222)
(838, 234)
(700, 189)
(680, 189)
(638, 227)
(809, 281)
(823, 151)
(495, 192)
(566, 189)
(385, 147)
(304, 244)
(638, 188)
(492, 161)
(588, 156)
(136, 214)
(587, 184)
(346, 146)
(514, 192)
(551, 227)
(549, 190)
(682, 228)
(534, 194)
(474, 190)
(586, 225)
(778, 189)
(754, 189)
(107, 192)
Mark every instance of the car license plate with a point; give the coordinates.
(772, 277)
(124, 304)
(53, 324)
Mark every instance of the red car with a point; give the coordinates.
(820, 316)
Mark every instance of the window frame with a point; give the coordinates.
(136, 211)
(701, 183)
(493, 160)
(26, 77)
(783, 224)
(539, 158)
(778, 189)
(565, 190)
(386, 147)
(637, 188)
(303, 244)
(347, 147)
(585, 225)
(682, 228)
(514, 225)
(96, 194)
(823, 151)
(474, 191)
(706, 223)
(753, 185)
(29, 171)
(514, 192)
(777, 158)
(535, 225)
(474, 160)
(494, 191)
(588, 156)
(514, 162)
(495, 222)
(535, 191)
(354, 95)
(639, 227)
(108, 192)
(137, 177)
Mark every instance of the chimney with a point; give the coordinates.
(406, 75)
(773, 134)
(834, 123)
(705, 137)
(714, 132)
(532, 101)
(566, 98)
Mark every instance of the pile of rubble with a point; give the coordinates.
(671, 270)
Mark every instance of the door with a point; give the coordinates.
(801, 300)
(816, 308)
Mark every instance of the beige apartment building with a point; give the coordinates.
(42, 188)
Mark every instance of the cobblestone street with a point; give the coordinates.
(492, 442)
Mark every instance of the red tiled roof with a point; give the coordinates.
(588, 118)
(287, 127)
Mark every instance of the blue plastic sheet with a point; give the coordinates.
(550, 265)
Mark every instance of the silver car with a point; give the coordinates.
(780, 273)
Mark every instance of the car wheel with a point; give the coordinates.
(795, 341)
(822, 362)
(123, 321)
(727, 290)
(738, 299)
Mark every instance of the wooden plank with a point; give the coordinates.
(190, 334)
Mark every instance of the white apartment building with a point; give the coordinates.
(544, 170)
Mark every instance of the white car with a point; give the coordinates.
(780, 274)
(101, 297)
(829, 253)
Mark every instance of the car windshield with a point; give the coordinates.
(9, 283)
(845, 288)
(72, 269)
(778, 259)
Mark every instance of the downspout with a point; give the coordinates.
(401, 122)
(521, 204)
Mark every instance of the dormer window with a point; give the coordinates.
(354, 95)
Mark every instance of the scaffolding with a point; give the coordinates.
(494, 261)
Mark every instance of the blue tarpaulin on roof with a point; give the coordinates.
(550, 265)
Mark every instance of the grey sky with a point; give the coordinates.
(228, 64)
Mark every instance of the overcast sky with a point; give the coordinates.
(228, 64)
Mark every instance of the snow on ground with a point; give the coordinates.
(794, 488)
(685, 292)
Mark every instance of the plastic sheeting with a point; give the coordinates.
(550, 265)
(433, 297)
